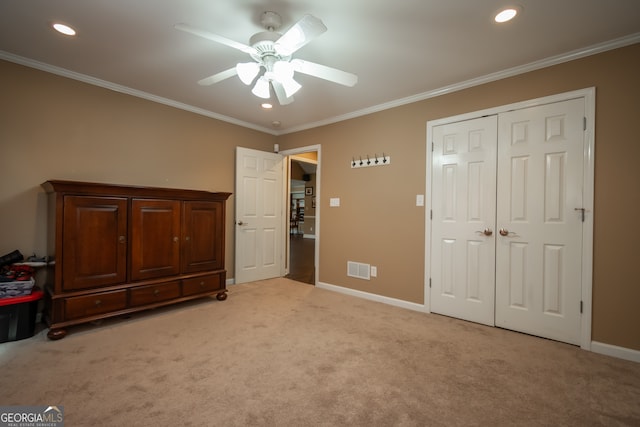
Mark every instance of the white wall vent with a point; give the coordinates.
(358, 270)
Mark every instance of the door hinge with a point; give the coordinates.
(429, 282)
(584, 123)
(431, 214)
(580, 307)
(432, 145)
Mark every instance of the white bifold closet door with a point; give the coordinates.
(507, 222)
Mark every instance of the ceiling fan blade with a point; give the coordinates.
(222, 75)
(324, 72)
(214, 37)
(280, 93)
(302, 32)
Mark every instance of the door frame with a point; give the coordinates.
(317, 192)
(588, 194)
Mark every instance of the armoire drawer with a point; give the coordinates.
(198, 285)
(154, 293)
(90, 305)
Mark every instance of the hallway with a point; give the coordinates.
(302, 251)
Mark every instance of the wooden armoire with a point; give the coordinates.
(116, 249)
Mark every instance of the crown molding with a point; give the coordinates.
(510, 72)
(126, 90)
(499, 75)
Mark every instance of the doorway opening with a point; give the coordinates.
(303, 214)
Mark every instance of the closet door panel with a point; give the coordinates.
(463, 223)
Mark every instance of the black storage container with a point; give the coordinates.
(18, 316)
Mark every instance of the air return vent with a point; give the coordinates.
(358, 270)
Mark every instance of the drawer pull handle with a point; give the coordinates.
(202, 284)
(122, 239)
(98, 303)
(156, 292)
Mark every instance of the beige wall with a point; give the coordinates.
(100, 135)
(378, 221)
(56, 128)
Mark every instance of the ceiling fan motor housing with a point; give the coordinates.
(264, 44)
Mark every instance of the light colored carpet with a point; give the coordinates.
(281, 353)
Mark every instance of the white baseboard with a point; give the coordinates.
(231, 281)
(372, 297)
(615, 351)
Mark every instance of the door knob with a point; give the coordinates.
(504, 232)
(240, 223)
(486, 232)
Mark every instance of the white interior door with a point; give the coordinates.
(463, 219)
(259, 215)
(540, 176)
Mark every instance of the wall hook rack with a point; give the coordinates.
(368, 161)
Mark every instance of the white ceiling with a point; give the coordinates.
(402, 51)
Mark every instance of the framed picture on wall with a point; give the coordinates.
(308, 191)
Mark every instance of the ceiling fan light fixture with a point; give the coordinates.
(261, 88)
(247, 71)
(283, 73)
(283, 70)
(290, 86)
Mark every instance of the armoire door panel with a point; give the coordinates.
(95, 252)
(201, 236)
(155, 247)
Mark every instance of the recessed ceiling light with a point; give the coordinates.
(506, 14)
(266, 106)
(64, 29)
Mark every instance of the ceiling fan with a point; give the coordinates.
(272, 52)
